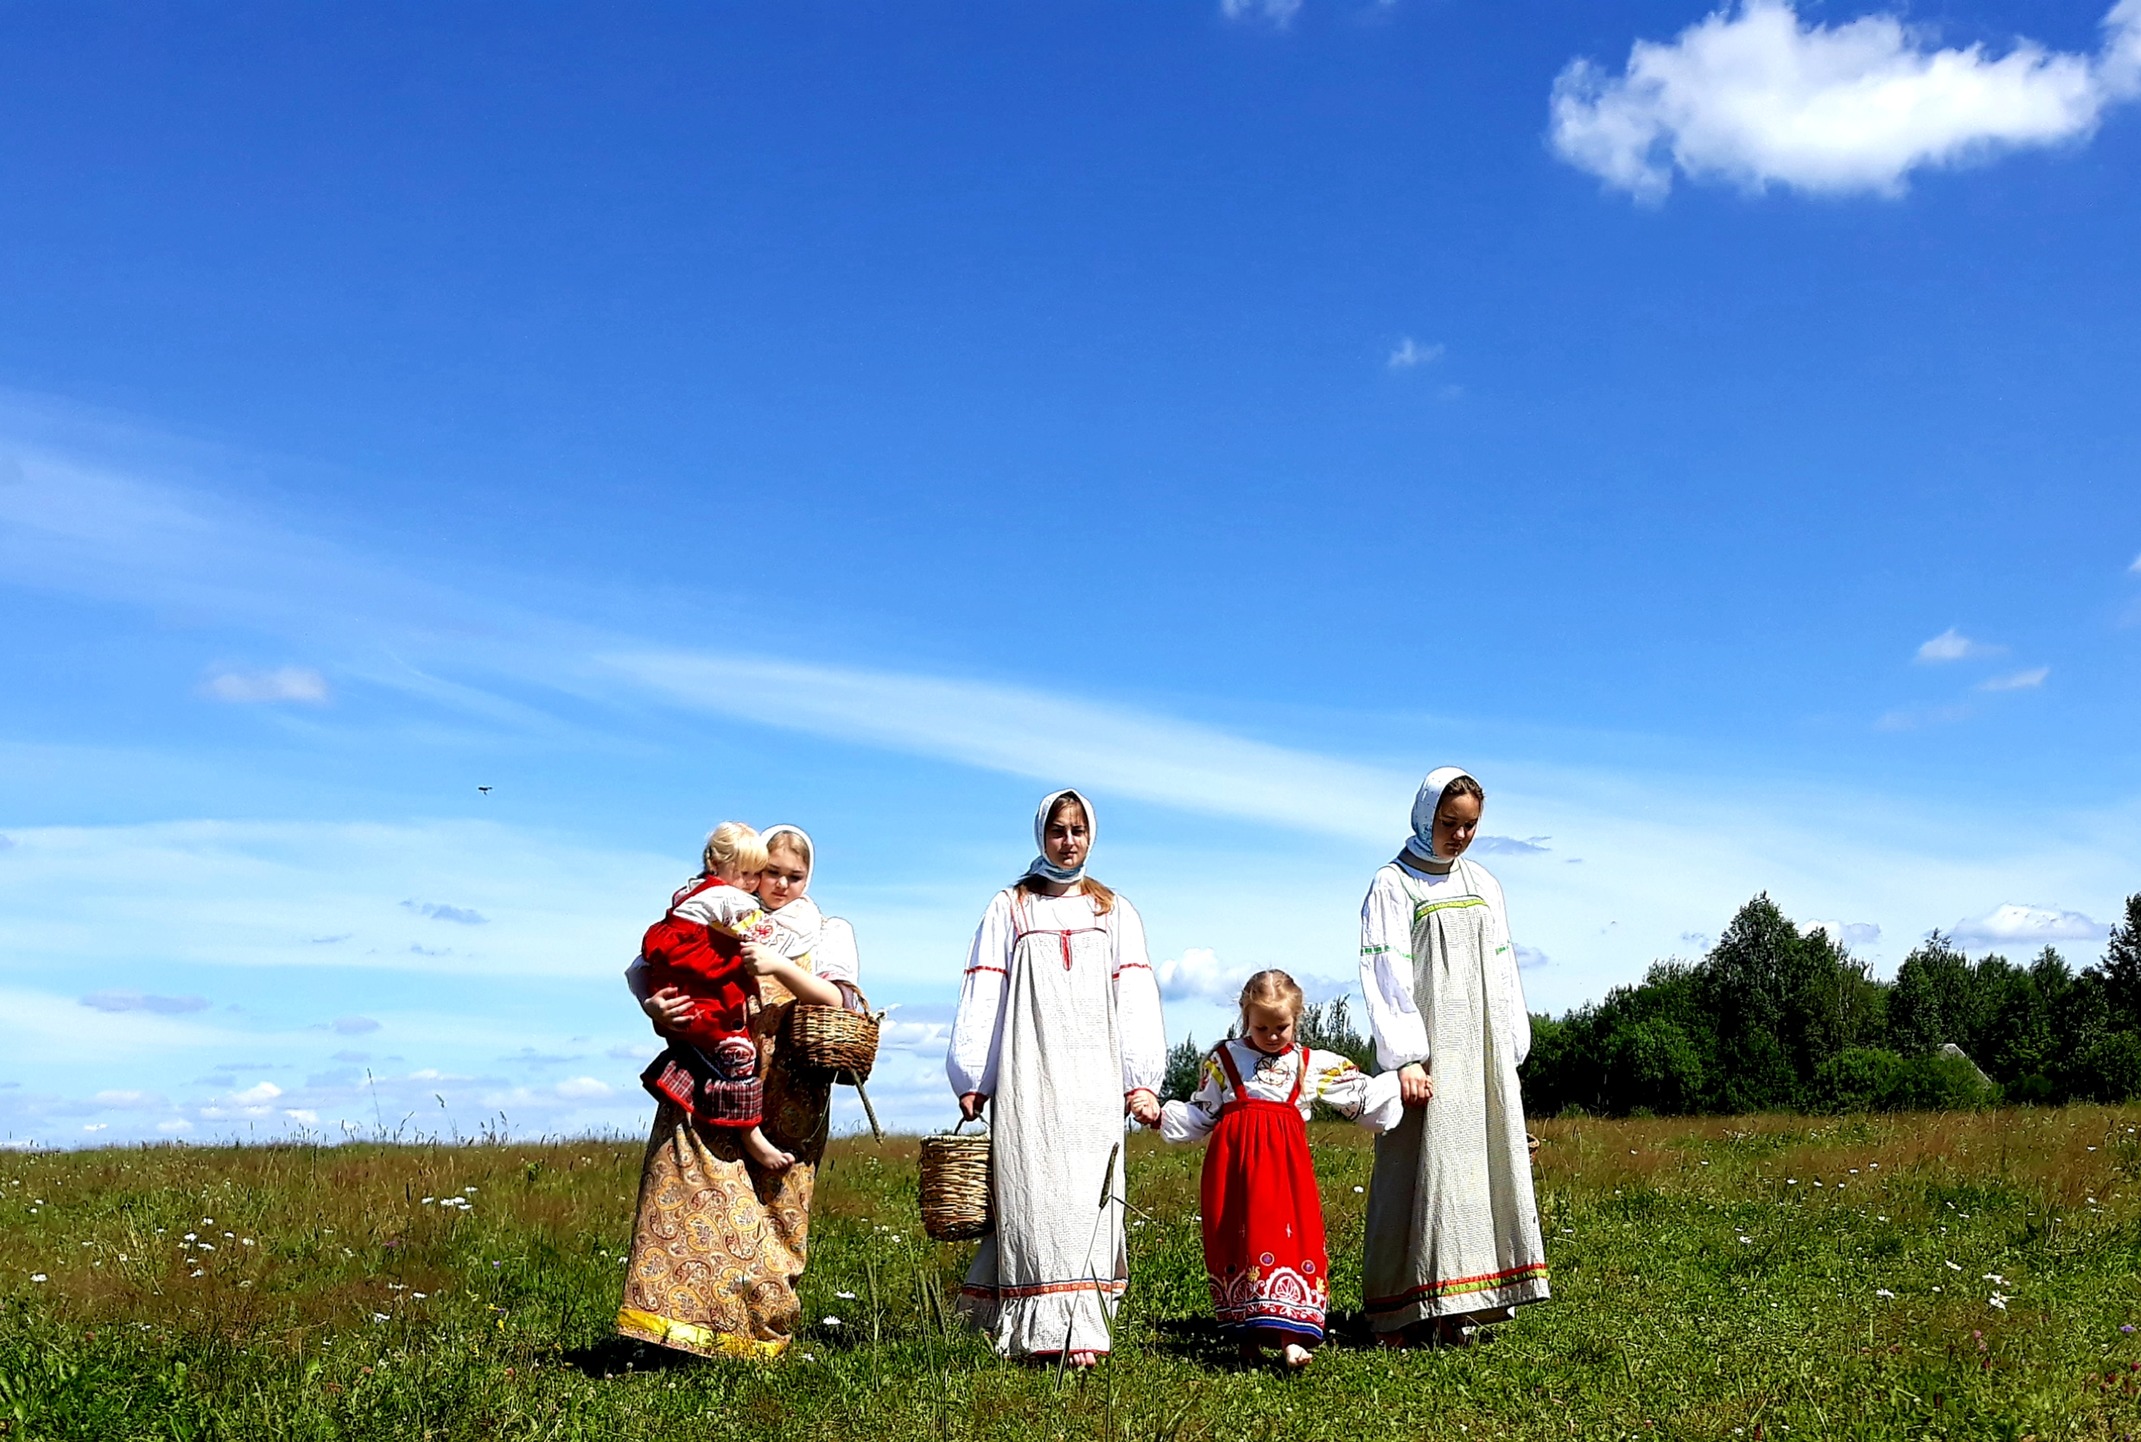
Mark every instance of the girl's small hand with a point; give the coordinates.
(668, 1009)
(1415, 1087)
(762, 959)
(1144, 1106)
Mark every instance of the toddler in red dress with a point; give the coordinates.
(1264, 1252)
(711, 1068)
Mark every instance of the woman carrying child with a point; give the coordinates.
(1453, 1230)
(1264, 1252)
(719, 1240)
(1058, 1033)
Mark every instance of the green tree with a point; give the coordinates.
(2121, 967)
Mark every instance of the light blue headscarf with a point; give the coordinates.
(1044, 868)
(1422, 841)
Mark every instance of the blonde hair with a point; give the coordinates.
(1273, 989)
(733, 846)
(1103, 898)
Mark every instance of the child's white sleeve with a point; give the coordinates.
(1371, 1101)
(731, 911)
(1193, 1120)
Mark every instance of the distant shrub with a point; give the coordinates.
(2109, 1068)
(1940, 1082)
(1858, 1079)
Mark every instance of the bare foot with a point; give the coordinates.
(768, 1156)
(1082, 1360)
(1297, 1356)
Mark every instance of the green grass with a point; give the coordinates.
(1712, 1278)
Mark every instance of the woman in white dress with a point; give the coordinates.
(1453, 1228)
(1059, 1035)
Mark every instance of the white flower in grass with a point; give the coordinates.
(1746, 1241)
(1995, 1278)
(39, 1277)
(1952, 1267)
(379, 1316)
(834, 1322)
(1882, 1292)
(418, 1296)
(845, 1296)
(1358, 1190)
(1996, 1302)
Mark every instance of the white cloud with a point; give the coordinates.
(1845, 933)
(285, 683)
(354, 1025)
(1511, 846)
(1198, 975)
(257, 1095)
(174, 1126)
(583, 1088)
(2017, 681)
(304, 1116)
(1755, 97)
(1953, 645)
(1277, 13)
(2135, 568)
(1408, 353)
(2012, 924)
(127, 1100)
(1530, 958)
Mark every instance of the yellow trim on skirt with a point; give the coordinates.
(691, 1337)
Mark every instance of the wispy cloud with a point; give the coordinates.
(136, 1001)
(438, 911)
(1408, 353)
(1917, 718)
(1753, 96)
(1953, 645)
(1510, 846)
(2135, 568)
(353, 1025)
(284, 683)
(1845, 933)
(2017, 680)
(1279, 14)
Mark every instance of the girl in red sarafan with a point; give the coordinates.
(698, 947)
(1263, 1222)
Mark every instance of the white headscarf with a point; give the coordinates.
(1044, 868)
(1422, 841)
(809, 848)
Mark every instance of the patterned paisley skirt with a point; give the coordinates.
(717, 1245)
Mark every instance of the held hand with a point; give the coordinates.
(970, 1106)
(1144, 1106)
(761, 959)
(1415, 1086)
(668, 1009)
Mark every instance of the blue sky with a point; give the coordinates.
(1713, 427)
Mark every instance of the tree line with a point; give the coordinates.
(1773, 1018)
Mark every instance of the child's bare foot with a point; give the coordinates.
(1079, 1361)
(768, 1156)
(1297, 1356)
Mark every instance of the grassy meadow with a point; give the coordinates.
(1957, 1275)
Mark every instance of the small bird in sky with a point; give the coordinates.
(484, 789)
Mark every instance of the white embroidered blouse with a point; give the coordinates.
(1331, 1079)
(978, 1026)
(1386, 960)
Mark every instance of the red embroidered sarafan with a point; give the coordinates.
(1264, 1252)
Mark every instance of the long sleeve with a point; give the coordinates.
(836, 960)
(978, 1025)
(635, 978)
(1137, 1003)
(736, 912)
(1335, 1081)
(1386, 974)
(1193, 1120)
(1510, 1012)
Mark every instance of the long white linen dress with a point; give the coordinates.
(1452, 1225)
(1059, 1018)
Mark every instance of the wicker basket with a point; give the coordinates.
(835, 1039)
(955, 1186)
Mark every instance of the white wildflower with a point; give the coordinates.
(1882, 1292)
(1996, 1302)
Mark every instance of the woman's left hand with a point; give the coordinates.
(1143, 1106)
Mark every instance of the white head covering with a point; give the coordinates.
(1422, 841)
(1044, 868)
(784, 829)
